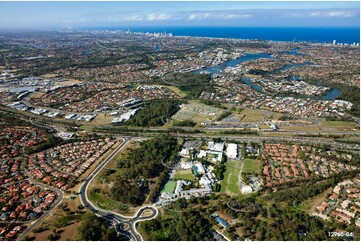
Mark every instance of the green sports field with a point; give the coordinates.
(169, 186)
(230, 183)
(252, 165)
(184, 175)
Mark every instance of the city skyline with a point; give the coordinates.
(40, 15)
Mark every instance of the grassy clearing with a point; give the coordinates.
(310, 205)
(70, 81)
(339, 124)
(275, 116)
(85, 127)
(68, 232)
(49, 75)
(252, 75)
(200, 118)
(63, 220)
(103, 201)
(101, 119)
(229, 184)
(263, 126)
(252, 115)
(124, 151)
(184, 175)
(277, 134)
(301, 128)
(169, 186)
(36, 94)
(251, 52)
(177, 91)
(252, 165)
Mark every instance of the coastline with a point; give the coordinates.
(322, 35)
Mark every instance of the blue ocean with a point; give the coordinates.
(314, 34)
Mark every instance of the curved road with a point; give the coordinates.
(123, 224)
(127, 226)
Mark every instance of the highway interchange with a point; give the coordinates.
(126, 225)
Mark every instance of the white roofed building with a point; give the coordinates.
(204, 181)
(202, 153)
(218, 147)
(232, 150)
(184, 152)
(186, 165)
(246, 189)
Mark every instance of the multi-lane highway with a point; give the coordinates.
(127, 225)
(257, 139)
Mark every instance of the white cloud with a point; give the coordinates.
(134, 18)
(234, 16)
(322, 14)
(217, 15)
(157, 17)
(198, 16)
(340, 14)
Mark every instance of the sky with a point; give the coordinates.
(42, 15)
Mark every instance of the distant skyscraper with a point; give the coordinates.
(334, 42)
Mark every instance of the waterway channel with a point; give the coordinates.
(332, 94)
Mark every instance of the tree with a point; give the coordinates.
(109, 235)
(53, 237)
(150, 160)
(217, 187)
(155, 113)
(192, 224)
(93, 228)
